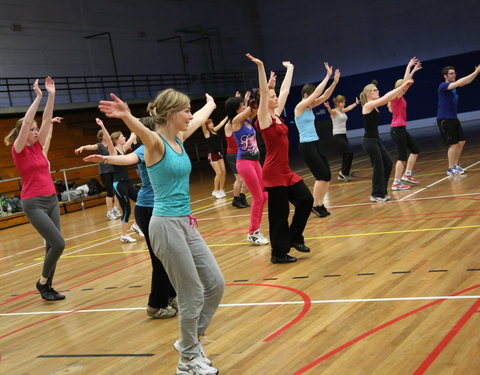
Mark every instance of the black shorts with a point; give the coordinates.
(451, 131)
(107, 181)
(316, 160)
(404, 142)
(232, 162)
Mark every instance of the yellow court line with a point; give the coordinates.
(90, 242)
(111, 253)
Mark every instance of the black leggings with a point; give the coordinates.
(316, 160)
(161, 290)
(282, 235)
(343, 146)
(382, 165)
(125, 190)
(404, 142)
(44, 214)
(107, 181)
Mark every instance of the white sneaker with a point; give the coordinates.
(127, 239)
(137, 230)
(116, 212)
(215, 193)
(221, 194)
(378, 199)
(195, 366)
(202, 356)
(257, 238)
(161, 313)
(111, 215)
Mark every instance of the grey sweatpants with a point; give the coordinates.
(44, 214)
(194, 274)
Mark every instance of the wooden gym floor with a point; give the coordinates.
(389, 288)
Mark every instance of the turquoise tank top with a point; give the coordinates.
(306, 126)
(170, 179)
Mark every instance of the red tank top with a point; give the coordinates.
(232, 147)
(276, 169)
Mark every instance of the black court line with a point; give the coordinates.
(111, 287)
(473, 269)
(396, 272)
(271, 278)
(300, 277)
(366, 274)
(240, 281)
(438, 271)
(92, 355)
(88, 289)
(331, 275)
(135, 286)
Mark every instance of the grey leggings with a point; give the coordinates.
(194, 274)
(44, 214)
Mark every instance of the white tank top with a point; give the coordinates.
(340, 123)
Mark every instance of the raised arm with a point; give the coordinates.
(221, 124)
(310, 100)
(408, 70)
(351, 106)
(116, 108)
(332, 111)
(465, 80)
(328, 92)
(199, 118)
(86, 147)
(131, 140)
(284, 88)
(370, 105)
(46, 146)
(28, 120)
(240, 118)
(228, 129)
(263, 116)
(106, 137)
(46, 126)
(129, 159)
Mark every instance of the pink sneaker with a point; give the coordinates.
(410, 179)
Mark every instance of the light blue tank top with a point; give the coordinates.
(145, 194)
(170, 179)
(306, 126)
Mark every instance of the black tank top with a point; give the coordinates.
(213, 143)
(120, 172)
(370, 123)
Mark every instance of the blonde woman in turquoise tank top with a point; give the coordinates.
(175, 240)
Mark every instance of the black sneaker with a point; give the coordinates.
(283, 259)
(237, 202)
(301, 247)
(243, 198)
(45, 292)
(320, 212)
(57, 296)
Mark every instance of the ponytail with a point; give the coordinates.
(12, 136)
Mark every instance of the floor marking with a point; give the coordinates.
(359, 300)
(438, 271)
(92, 355)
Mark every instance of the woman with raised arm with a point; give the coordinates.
(175, 240)
(38, 195)
(248, 162)
(106, 175)
(400, 135)
(310, 147)
(373, 146)
(339, 131)
(283, 185)
(215, 157)
(162, 303)
(124, 189)
(46, 146)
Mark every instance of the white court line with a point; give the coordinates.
(436, 182)
(435, 298)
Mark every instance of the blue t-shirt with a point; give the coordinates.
(170, 179)
(447, 102)
(306, 126)
(145, 194)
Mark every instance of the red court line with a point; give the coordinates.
(371, 332)
(307, 302)
(446, 340)
(64, 314)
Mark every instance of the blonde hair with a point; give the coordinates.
(167, 103)
(115, 136)
(366, 90)
(397, 84)
(12, 136)
(339, 99)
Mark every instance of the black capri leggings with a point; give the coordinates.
(343, 146)
(404, 142)
(107, 181)
(125, 191)
(316, 160)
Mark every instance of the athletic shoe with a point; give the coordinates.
(195, 366)
(116, 212)
(202, 356)
(127, 239)
(452, 171)
(111, 215)
(320, 211)
(378, 199)
(400, 186)
(387, 197)
(301, 247)
(161, 313)
(459, 169)
(57, 295)
(137, 230)
(47, 293)
(172, 302)
(256, 238)
(237, 202)
(409, 178)
(215, 193)
(282, 259)
(221, 194)
(243, 198)
(343, 177)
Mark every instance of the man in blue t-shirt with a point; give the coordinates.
(447, 120)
